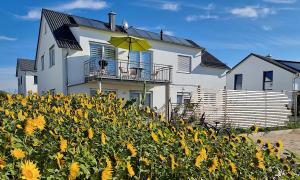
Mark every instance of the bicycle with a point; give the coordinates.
(218, 130)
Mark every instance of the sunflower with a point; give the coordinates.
(173, 163)
(286, 167)
(103, 140)
(213, 165)
(254, 129)
(130, 169)
(74, 170)
(145, 160)
(147, 109)
(201, 157)
(161, 157)
(29, 171)
(29, 127)
(90, 133)
(2, 162)
(187, 151)
(196, 135)
(154, 137)
(260, 141)
(279, 144)
(40, 122)
(107, 172)
(232, 167)
(132, 150)
(59, 160)
(63, 144)
(18, 153)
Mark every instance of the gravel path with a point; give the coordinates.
(290, 139)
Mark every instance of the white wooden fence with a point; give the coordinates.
(241, 108)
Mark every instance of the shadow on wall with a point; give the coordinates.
(76, 69)
(200, 69)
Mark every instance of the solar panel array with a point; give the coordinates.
(134, 32)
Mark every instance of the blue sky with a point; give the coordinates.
(229, 29)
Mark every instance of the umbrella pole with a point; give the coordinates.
(129, 48)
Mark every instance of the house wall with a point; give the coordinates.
(50, 77)
(252, 70)
(162, 53)
(27, 83)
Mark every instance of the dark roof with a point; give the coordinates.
(59, 24)
(209, 60)
(291, 66)
(25, 65)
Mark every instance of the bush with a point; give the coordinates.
(78, 136)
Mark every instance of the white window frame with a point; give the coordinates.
(190, 66)
(51, 56)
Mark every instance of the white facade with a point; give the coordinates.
(26, 82)
(252, 70)
(67, 75)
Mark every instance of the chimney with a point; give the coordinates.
(161, 35)
(112, 20)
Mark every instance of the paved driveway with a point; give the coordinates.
(290, 138)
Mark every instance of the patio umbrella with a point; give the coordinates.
(130, 43)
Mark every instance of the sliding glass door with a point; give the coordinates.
(104, 52)
(141, 60)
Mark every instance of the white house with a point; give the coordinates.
(264, 73)
(69, 48)
(27, 76)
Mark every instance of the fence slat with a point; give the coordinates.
(242, 108)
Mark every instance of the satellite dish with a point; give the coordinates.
(125, 24)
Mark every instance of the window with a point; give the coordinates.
(21, 79)
(238, 81)
(183, 97)
(52, 92)
(43, 62)
(141, 59)
(52, 56)
(137, 95)
(184, 64)
(267, 80)
(103, 52)
(93, 92)
(35, 79)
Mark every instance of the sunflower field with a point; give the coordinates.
(102, 137)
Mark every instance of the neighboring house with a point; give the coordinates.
(27, 76)
(264, 73)
(69, 48)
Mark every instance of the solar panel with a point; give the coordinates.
(154, 36)
(82, 21)
(143, 33)
(98, 25)
(132, 32)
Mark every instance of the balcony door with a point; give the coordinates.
(104, 52)
(143, 60)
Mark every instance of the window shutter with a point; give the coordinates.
(184, 64)
(96, 51)
(109, 53)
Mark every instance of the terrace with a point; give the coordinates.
(127, 71)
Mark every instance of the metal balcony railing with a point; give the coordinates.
(124, 70)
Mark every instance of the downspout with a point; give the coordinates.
(295, 94)
(67, 72)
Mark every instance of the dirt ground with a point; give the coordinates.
(290, 139)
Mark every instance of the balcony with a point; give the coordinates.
(127, 71)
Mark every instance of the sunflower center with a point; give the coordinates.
(28, 174)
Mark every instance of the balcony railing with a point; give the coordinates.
(124, 70)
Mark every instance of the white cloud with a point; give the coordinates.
(170, 33)
(82, 4)
(171, 6)
(35, 14)
(192, 18)
(266, 28)
(8, 81)
(252, 11)
(281, 1)
(6, 38)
